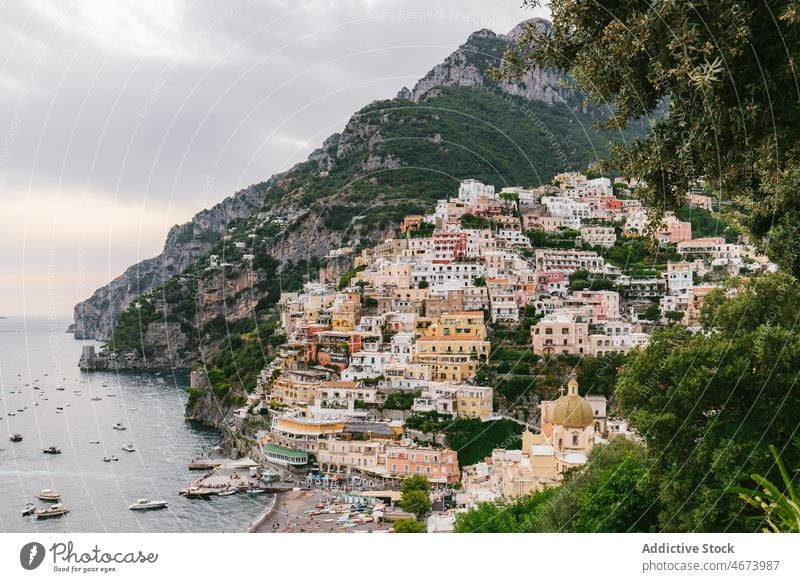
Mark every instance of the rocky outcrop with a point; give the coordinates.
(95, 317)
(469, 67)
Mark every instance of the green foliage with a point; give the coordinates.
(635, 57)
(706, 224)
(415, 483)
(652, 313)
(416, 501)
(132, 325)
(474, 440)
(423, 284)
(520, 516)
(599, 375)
(401, 400)
(471, 221)
(409, 526)
(708, 405)
(562, 240)
(609, 494)
(780, 504)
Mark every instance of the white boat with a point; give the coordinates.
(52, 511)
(111, 458)
(49, 495)
(15, 438)
(256, 491)
(129, 447)
(119, 426)
(29, 508)
(148, 504)
(227, 492)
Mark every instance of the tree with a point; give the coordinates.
(415, 483)
(674, 316)
(479, 282)
(708, 405)
(423, 284)
(519, 516)
(416, 502)
(652, 313)
(720, 80)
(409, 526)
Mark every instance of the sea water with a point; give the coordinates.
(36, 358)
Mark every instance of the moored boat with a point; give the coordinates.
(52, 450)
(29, 509)
(15, 437)
(148, 504)
(52, 511)
(118, 426)
(129, 447)
(49, 495)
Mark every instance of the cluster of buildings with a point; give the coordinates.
(408, 323)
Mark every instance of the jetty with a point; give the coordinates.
(228, 475)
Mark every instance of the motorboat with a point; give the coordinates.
(52, 450)
(49, 495)
(119, 426)
(148, 504)
(129, 448)
(29, 509)
(15, 438)
(52, 511)
(96, 398)
(94, 442)
(227, 492)
(256, 491)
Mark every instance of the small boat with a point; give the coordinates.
(60, 388)
(52, 450)
(96, 398)
(15, 438)
(59, 408)
(256, 491)
(52, 511)
(129, 447)
(148, 504)
(227, 492)
(29, 509)
(49, 495)
(119, 426)
(12, 413)
(94, 442)
(111, 458)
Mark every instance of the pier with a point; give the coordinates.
(230, 476)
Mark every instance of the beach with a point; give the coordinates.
(287, 515)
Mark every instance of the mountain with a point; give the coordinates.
(393, 157)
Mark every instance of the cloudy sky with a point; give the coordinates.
(120, 119)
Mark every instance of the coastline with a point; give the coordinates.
(288, 515)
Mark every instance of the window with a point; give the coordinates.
(574, 439)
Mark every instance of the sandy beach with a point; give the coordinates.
(287, 516)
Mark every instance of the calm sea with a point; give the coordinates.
(37, 358)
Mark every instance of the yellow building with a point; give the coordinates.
(474, 401)
(303, 434)
(454, 368)
(460, 333)
(296, 387)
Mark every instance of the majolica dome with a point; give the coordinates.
(571, 410)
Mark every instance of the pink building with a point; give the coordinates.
(676, 231)
(438, 465)
(559, 333)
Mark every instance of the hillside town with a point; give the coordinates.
(411, 322)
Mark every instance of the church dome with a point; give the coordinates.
(571, 410)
